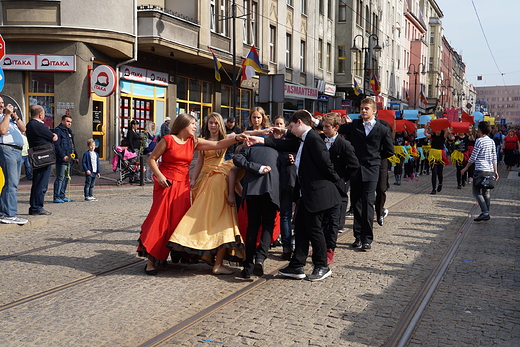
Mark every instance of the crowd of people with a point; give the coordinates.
(248, 188)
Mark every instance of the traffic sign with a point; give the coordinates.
(2, 79)
(2, 47)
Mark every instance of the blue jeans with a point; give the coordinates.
(27, 165)
(482, 195)
(11, 163)
(285, 219)
(39, 186)
(60, 183)
(90, 182)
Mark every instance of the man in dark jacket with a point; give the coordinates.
(316, 190)
(346, 164)
(38, 135)
(65, 156)
(262, 194)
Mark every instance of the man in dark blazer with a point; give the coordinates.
(316, 190)
(38, 135)
(372, 141)
(346, 164)
(262, 194)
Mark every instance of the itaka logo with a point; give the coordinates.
(7, 61)
(152, 77)
(127, 72)
(45, 62)
(102, 79)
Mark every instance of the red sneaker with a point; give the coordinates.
(330, 256)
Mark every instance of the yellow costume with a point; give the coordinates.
(211, 222)
(211, 161)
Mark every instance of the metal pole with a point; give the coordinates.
(234, 101)
(415, 96)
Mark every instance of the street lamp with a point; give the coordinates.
(416, 73)
(446, 86)
(368, 54)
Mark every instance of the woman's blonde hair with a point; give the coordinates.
(265, 121)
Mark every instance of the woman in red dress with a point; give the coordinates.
(509, 145)
(171, 192)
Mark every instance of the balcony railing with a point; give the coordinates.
(165, 10)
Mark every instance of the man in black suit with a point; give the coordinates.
(372, 141)
(346, 164)
(316, 190)
(262, 193)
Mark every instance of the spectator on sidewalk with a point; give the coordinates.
(65, 156)
(11, 144)
(25, 158)
(134, 142)
(165, 127)
(90, 163)
(38, 135)
(484, 157)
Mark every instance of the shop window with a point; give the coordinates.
(243, 104)
(41, 92)
(194, 98)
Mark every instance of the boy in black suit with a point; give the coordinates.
(345, 162)
(262, 193)
(372, 142)
(316, 190)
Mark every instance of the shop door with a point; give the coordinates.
(99, 126)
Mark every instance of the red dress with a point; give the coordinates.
(169, 204)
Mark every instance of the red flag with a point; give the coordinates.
(374, 83)
(439, 124)
(387, 115)
(460, 127)
(467, 118)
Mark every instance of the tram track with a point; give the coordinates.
(400, 336)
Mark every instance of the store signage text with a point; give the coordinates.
(295, 91)
(144, 75)
(39, 62)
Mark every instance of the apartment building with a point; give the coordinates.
(501, 102)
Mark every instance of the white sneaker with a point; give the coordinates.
(88, 198)
(13, 220)
(93, 198)
(385, 212)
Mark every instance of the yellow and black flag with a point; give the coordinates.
(217, 64)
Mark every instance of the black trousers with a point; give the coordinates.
(331, 226)
(308, 228)
(437, 172)
(382, 187)
(363, 195)
(261, 211)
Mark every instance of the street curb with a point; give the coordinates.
(32, 223)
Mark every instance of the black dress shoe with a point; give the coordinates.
(319, 273)
(482, 217)
(439, 188)
(366, 246)
(259, 268)
(356, 244)
(244, 274)
(41, 213)
(433, 192)
(150, 272)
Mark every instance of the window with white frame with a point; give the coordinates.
(302, 56)
(288, 50)
(304, 6)
(272, 43)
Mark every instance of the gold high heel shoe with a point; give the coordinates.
(222, 270)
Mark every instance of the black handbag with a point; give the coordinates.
(42, 156)
(485, 181)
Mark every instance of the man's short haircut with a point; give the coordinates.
(230, 119)
(369, 101)
(35, 110)
(303, 115)
(65, 116)
(332, 118)
(484, 127)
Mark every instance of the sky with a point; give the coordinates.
(499, 20)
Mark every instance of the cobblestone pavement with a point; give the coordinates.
(476, 303)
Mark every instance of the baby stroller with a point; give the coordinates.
(125, 162)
